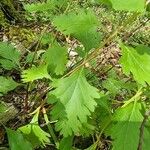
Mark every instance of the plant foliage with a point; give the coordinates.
(83, 83)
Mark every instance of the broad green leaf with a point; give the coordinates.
(125, 129)
(9, 56)
(34, 132)
(56, 58)
(35, 73)
(137, 61)
(78, 98)
(129, 5)
(17, 141)
(146, 136)
(7, 84)
(66, 143)
(82, 26)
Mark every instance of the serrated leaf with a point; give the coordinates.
(36, 134)
(44, 6)
(56, 58)
(82, 26)
(137, 61)
(125, 129)
(7, 84)
(35, 73)
(78, 98)
(9, 56)
(129, 5)
(17, 141)
(38, 7)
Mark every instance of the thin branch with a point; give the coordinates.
(146, 115)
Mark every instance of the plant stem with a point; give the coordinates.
(49, 127)
(134, 98)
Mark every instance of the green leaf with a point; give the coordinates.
(17, 141)
(113, 85)
(129, 5)
(66, 143)
(3, 107)
(82, 26)
(47, 38)
(137, 61)
(102, 115)
(78, 98)
(9, 56)
(35, 73)
(39, 7)
(7, 84)
(146, 137)
(56, 58)
(106, 2)
(45, 6)
(34, 132)
(125, 129)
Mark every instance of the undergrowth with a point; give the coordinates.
(80, 82)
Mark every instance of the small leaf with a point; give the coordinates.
(45, 6)
(35, 73)
(34, 131)
(113, 85)
(129, 5)
(56, 58)
(78, 98)
(17, 141)
(7, 84)
(9, 56)
(137, 61)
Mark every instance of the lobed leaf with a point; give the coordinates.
(137, 61)
(45, 6)
(125, 129)
(35, 73)
(78, 98)
(56, 58)
(82, 26)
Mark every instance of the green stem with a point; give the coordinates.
(134, 98)
(50, 127)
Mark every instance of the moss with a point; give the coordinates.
(11, 13)
(2, 19)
